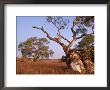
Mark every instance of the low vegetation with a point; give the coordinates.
(26, 66)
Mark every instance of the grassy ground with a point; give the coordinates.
(42, 67)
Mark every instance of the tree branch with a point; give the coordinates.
(81, 36)
(84, 35)
(74, 33)
(92, 29)
(74, 38)
(48, 36)
(59, 35)
(71, 43)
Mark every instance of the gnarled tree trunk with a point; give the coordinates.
(75, 62)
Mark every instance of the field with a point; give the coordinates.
(26, 66)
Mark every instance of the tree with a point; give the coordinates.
(79, 29)
(87, 44)
(35, 48)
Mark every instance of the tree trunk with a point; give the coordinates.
(89, 66)
(73, 60)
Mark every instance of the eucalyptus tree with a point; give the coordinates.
(36, 48)
(82, 26)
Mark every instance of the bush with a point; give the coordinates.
(63, 59)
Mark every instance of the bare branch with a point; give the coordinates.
(71, 43)
(48, 36)
(84, 35)
(74, 33)
(54, 25)
(74, 38)
(92, 29)
(81, 36)
(59, 35)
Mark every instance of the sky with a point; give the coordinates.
(25, 30)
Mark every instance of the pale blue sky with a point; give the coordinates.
(25, 30)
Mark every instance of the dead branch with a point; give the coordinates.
(48, 36)
(59, 35)
(71, 43)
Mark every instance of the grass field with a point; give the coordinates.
(42, 67)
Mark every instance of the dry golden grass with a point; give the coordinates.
(42, 67)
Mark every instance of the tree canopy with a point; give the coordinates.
(36, 48)
(86, 41)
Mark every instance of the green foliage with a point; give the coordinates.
(84, 20)
(79, 30)
(58, 21)
(86, 41)
(81, 23)
(87, 47)
(35, 48)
